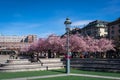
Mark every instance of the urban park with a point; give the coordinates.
(65, 57)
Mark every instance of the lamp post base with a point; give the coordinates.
(68, 66)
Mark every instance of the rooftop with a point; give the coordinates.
(97, 23)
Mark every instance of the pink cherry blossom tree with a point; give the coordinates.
(105, 45)
(77, 44)
(42, 45)
(56, 44)
(33, 47)
(92, 44)
(99, 45)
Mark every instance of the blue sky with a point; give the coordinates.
(44, 17)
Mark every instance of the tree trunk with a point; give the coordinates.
(104, 55)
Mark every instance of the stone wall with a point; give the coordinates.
(110, 65)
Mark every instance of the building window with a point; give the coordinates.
(119, 37)
(119, 30)
(112, 37)
(112, 27)
(106, 30)
(112, 32)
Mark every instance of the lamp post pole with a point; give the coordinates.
(67, 25)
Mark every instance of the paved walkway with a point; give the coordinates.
(59, 75)
(3, 58)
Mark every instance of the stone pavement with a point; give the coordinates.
(3, 58)
(59, 75)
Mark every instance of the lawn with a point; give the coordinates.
(112, 74)
(8, 75)
(71, 78)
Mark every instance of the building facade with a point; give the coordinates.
(29, 38)
(96, 29)
(8, 43)
(114, 32)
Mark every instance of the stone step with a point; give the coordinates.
(96, 60)
(112, 65)
(30, 68)
(18, 61)
(33, 65)
(97, 66)
(52, 64)
(25, 65)
(14, 65)
(50, 60)
(107, 62)
(8, 64)
(89, 62)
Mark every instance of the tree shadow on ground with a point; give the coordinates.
(58, 71)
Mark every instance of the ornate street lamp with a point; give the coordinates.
(67, 25)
